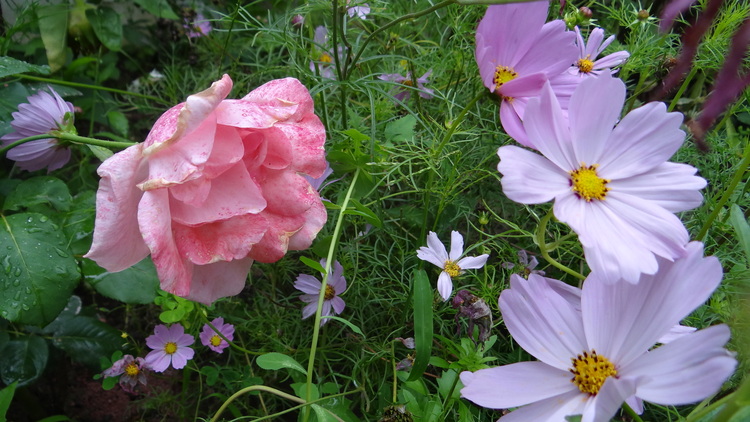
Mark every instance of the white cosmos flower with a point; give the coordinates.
(452, 264)
(593, 359)
(611, 181)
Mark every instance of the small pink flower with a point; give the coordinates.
(131, 371)
(170, 346)
(332, 304)
(44, 112)
(517, 53)
(198, 27)
(587, 63)
(210, 338)
(217, 184)
(298, 21)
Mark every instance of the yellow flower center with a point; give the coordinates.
(407, 82)
(590, 371)
(503, 74)
(215, 340)
(132, 370)
(587, 184)
(330, 292)
(452, 268)
(325, 58)
(170, 347)
(585, 65)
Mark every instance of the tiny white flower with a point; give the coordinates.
(452, 266)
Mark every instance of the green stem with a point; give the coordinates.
(87, 86)
(539, 235)
(391, 24)
(448, 399)
(741, 169)
(631, 412)
(324, 283)
(700, 414)
(682, 89)
(68, 137)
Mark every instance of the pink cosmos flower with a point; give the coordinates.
(404, 93)
(332, 304)
(217, 184)
(610, 181)
(199, 26)
(210, 338)
(131, 371)
(44, 112)
(452, 264)
(170, 346)
(587, 64)
(593, 360)
(517, 53)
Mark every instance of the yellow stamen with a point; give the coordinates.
(590, 371)
(325, 58)
(503, 74)
(452, 268)
(585, 65)
(330, 292)
(587, 184)
(215, 340)
(170, 348)
(132, 370)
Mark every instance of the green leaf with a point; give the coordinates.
(118, 122)
(422, 297)
(315, 265)
(356, 135)
(275, 361)
(137, 284)
(6, 396)
(158, 8)
(23, 360)
(345, 322)
(39, 190)
(322, 414)
(10, 66)
(400, 130)
(53, 27)
(78, 223)
(741, 229)
(107, 26)
(72, 309)
(37, 272)
(86, 339)
(101, 152)
(365, 213)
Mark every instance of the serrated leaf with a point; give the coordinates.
(158, 8)
(86, 339)
(53, 27)
(23, 360)
(37, 273)
(400, 130)
(422, 299)
(275, 361)
(107, 26)
(137, 284)
(39, 190)
(10, 66)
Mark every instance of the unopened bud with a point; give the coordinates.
(643, 15)
(585, 12)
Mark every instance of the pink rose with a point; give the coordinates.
(216, 184)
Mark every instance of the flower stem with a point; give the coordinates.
(87, 86)
(728, 192)
(539, 236)
(631, 412)
(321, 295)
(68, 137)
